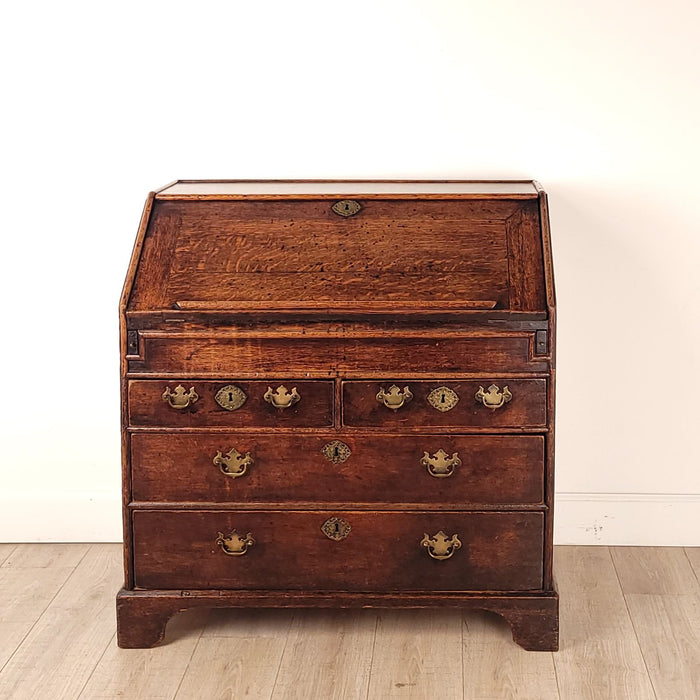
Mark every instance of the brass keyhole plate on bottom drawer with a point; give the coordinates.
(336, 528)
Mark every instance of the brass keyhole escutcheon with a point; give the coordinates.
(230, 397)
(336, 452)
(336, 528)
(443, 399)
(346, 207)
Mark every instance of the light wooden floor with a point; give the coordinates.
(630, 628)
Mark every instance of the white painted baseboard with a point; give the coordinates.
(580, 518)
(662, 519)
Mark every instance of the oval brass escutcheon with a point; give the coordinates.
(441, 546)
(230, 397)
(336, 528)
(443, 398)
(336, 452)
(346, 207)
(493, 397)
(233, 544)
(233, 464)
(441, 465)
(180, 398)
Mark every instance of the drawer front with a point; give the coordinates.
(481, 403)
(215, 353)
(161, 403)
(427, 469)
(382, 552)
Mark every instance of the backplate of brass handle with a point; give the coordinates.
(234, 544)
(233, 464)
(441, 546)
(180, 398)
(281, 397)
(441, 465)
(493, 397)
(394, 398)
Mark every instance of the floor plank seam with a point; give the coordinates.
(7, 556)
(634, 627)
(94, 668)
(692, 568)
(43, 612)
(202, 628)
(284, 649)
(371, 658)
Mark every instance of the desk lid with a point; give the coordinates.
(342, 247)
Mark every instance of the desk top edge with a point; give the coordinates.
(303, 189)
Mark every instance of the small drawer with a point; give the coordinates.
(338, 550)
(478, 403)
(190, 404)
(445, 470)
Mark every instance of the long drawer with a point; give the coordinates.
(451, 470)
(338, 550)
(480, 403)
(231, 404)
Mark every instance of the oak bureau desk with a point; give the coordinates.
(339, 394)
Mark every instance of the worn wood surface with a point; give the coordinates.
(494, 469)
(527, 408)
(282, 251)
(383, 552)
(428, 284)
(314, 408)
(182, 355)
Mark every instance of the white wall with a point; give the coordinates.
(597, 100)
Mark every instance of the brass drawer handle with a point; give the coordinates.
(180, 398)
(234, 544)
(493, 397)
(441, 465)
(394, 398)
(234, 464)
(441, 546)
(281, 397)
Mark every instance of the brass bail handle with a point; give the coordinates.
(233, 463)
(233, 544)
(493, 397)
(180, 398)
(281, 397)
(394, 398)
(441, 465)
(441, 546)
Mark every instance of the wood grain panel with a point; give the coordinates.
(177, 549)
(527, 408)
(289, 468)
(257, 246)
(442, 353)
(314, 409)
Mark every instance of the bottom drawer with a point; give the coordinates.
(383, 551)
